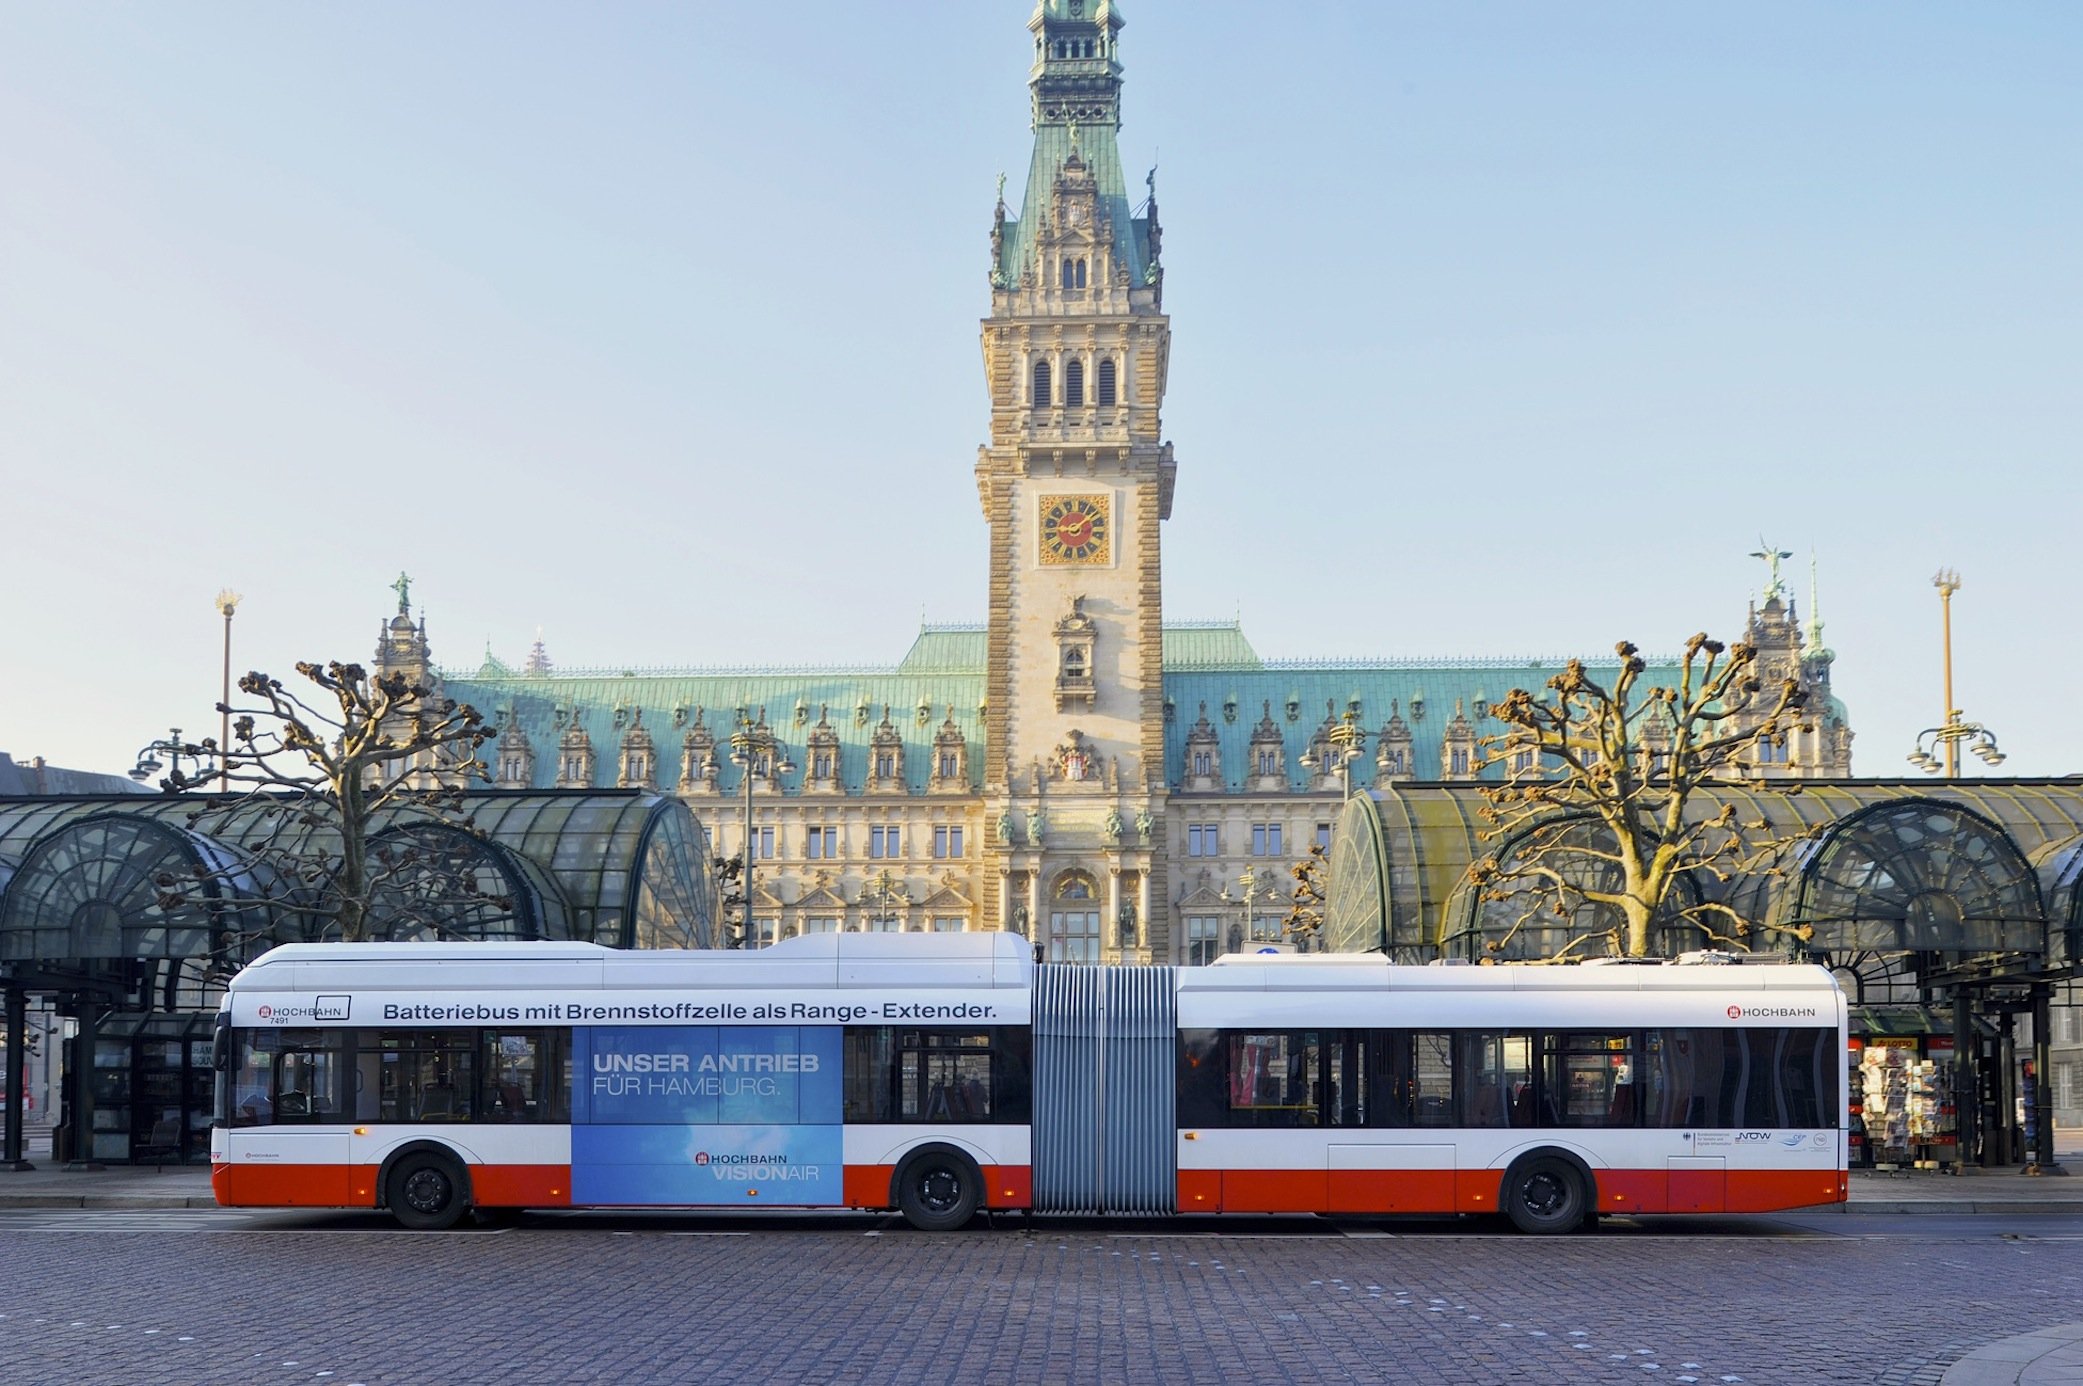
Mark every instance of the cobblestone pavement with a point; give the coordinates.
(330, 1299)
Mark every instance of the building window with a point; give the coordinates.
(1771, 752)
(821, 766)
(947, 842)
(2064, 1086)
(1203, 840)
(1203, 763)
(1522, 761)
(946, 924)
(762, 844)
(1074, 383)
(1392, 761)
(1265, 840)
(885, 842)
(1105, 380)
(1203, 939)
(1042, 389)
(1074, 922)
(1458, 762)
(1323, 836)
(950, 765)
(1068, 272)
(821, 924)
(885, 765)
(1269, 762)
(820, 843)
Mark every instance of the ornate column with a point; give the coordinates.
(1113, 916)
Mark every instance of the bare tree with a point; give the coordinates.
(1598, 800)
(340, 794)
(1305, 915)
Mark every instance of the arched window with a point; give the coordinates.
(1081, 274)
(1070, 271)
(1042, 385)
(1074, 383)
(1106, 380)
(1074, 920)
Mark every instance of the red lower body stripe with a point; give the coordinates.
(528, 1186)
(1477, 1191)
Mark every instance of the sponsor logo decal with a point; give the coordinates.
(320, 1008)
(1773, 1013)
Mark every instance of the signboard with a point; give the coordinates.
(706, 1115)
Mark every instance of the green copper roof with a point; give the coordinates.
(1076, 85)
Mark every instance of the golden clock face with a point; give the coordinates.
(1076, 529)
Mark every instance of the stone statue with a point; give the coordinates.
(1037, 824)
(1113, 825)
(1005, 829)
(1127, 923)
(1146, 823)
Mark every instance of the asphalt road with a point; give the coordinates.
(209, 1295)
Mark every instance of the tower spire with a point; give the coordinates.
(1814, 645)
(1074, 87)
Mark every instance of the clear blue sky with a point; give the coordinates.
(1498, 329)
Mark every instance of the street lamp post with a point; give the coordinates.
(1347, 740)
(1955, 730)
(884, 887)
(1249, 880)
(751, 745)
(175, 750)
(227, 602)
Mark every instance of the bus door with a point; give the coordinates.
(289, 1097)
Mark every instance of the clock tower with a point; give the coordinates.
(1074, 483)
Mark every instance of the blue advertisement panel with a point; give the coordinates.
(707, 1115)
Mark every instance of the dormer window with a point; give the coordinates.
(1043, 386)
(1203, 763)
(1105, 381)
(1269, 762)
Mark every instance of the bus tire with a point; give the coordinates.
(1546, 1194)
(938, 1190)
(427, 1191)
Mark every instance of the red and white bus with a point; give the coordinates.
(946, 1073)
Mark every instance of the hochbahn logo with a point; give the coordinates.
(1772, 1012)
(321, 1008)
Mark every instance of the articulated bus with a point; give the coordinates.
(942, 1074)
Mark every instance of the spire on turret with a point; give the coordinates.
(1814, 649)
(538, 665)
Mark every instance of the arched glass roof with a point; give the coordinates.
(1430, 833)
(90, 881)
(1918, 875)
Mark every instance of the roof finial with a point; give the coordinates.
(1773, 586)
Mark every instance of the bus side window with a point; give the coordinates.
(514, 1076)
(1413, 1078)
(1201, 1080)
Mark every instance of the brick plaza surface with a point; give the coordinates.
(173, 1296)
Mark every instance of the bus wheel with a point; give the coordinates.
(426, 1192)
(939, 1191)
(1544, 1195)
